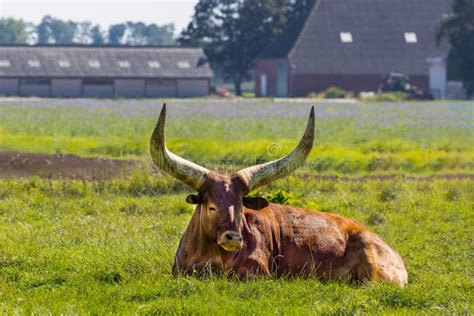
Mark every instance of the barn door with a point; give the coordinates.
(263, 85)
(282, 78)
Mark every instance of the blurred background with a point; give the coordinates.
(267, 48)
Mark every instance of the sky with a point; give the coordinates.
(103, 12)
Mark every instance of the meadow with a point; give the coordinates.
(350, 138)
(106, 247)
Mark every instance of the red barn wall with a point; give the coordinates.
(302, 85)
(270, 68)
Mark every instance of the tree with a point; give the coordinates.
(298, 9)
(138, 33)
(159, 35)
(233, 33)
(83, 33)
(97, 36)
(458, 28)
(13, 31)
(52, 30)
(116, 33)
(55, 31)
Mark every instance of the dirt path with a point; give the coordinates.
(14, 165)
(25, 165)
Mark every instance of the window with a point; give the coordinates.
(35, 81)
(63, 63)
(4, 63)
(154, 64)
(161, 82)
(94, 63)
(98, 81)
(183, 64)
(124, 64)
(34, 63)
(410, 37)
(346, 37)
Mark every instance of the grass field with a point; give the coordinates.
(351, 138)
(106, 247)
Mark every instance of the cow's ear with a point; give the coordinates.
(255, 203)
(193, 199)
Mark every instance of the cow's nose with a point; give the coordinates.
(231, 236)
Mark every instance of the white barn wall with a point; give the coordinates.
(35, 90)
(66, 88)
(155, 88)
(129, 88)
(98, 91)
(192, 88)
(8, 86)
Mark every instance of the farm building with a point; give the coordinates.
(103, 72)
(353, 44)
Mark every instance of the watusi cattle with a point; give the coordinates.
(230, 232)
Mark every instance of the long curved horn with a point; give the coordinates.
(259, 175)
(182, 169)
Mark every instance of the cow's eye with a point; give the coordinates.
(212, 209)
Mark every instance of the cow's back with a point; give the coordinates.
(326, 245)
(309, 241)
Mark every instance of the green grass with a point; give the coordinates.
(107, 247)
(414, 137)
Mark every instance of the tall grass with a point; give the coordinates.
(350, 138)
(107, 247)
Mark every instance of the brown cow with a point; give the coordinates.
(230, 232)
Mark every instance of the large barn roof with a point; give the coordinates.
(106, 61)
(364, 37)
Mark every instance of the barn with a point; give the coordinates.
(353, 44)
(103, 71)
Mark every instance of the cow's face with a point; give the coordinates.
(221, 198)
(220, 205)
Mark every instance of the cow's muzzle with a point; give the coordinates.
(230, 240)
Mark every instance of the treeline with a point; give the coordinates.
(56, 31)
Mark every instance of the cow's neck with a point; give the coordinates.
(201, 246)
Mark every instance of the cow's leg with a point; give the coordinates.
(251, 268)
(345, 268)
(379, 262)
